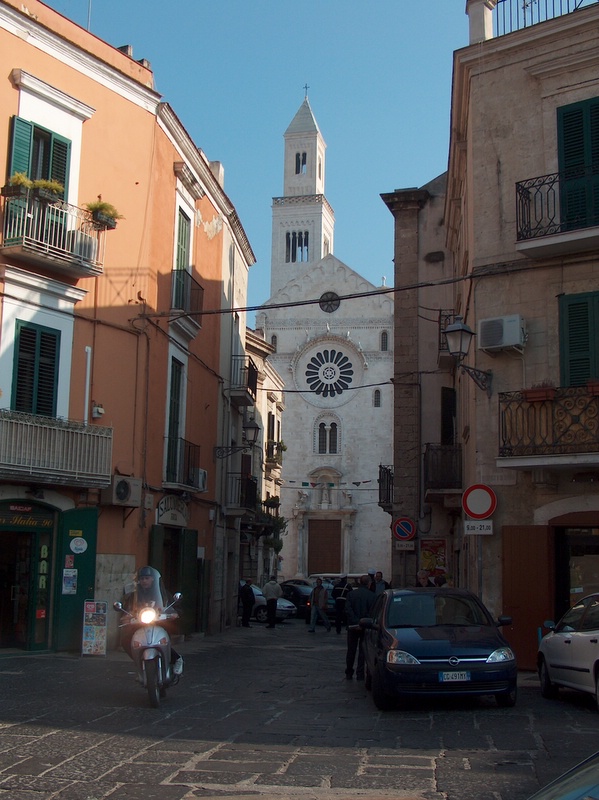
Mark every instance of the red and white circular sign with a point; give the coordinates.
(479, 501)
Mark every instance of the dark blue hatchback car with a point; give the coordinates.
(437, 641)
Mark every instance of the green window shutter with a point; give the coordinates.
(183, 240)
(60, 157)
(578, 154)
(35, 376)
(21, 141)
(579, 338)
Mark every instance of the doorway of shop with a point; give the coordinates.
(24, 589)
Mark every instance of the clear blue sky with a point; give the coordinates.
(379, 74)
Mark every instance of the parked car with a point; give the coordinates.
(285, 609)
(302, 587)
(436, 641)
(579, 783)
(299, 595)
(569, 654)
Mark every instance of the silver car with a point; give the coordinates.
(569, 654)
(285, 609)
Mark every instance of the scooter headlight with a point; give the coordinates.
(148, 615)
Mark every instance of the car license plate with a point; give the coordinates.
(450, 677)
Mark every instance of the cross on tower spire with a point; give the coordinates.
(306, 87)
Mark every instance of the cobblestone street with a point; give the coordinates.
(268, 714)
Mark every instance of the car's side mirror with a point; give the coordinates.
(504, 620)
(549, 624)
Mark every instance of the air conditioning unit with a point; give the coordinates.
(502, 333)
(82, 245)
(201, 480)
(123, 491)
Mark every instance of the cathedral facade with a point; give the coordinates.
(332, 332)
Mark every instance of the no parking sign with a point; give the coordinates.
(404, 529)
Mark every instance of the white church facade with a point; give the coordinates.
(335, 355)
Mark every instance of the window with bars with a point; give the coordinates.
(376, 398)
(35, 373)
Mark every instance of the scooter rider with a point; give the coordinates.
(149, 591)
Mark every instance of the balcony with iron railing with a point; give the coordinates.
(515, 15)
(182, 464)
(558, 214)
(52, 234)
(241, 494)
(244, 381)
(442, 473)
(274, 454)
(47, 450)
(560, 430)
(187, 302)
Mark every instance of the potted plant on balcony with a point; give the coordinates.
(47, 190)
(545, 390)
(272, 502)
(103, 213)
(18, 185)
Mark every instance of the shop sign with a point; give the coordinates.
(173, 511)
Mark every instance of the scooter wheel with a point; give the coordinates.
(152, 683)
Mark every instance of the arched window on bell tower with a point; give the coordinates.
(301, 163)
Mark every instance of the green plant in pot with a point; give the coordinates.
(48, 190)
(104, 213)
(18, 185)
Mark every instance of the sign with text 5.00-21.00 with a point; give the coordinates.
(485, 528)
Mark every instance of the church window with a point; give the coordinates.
(273, 341)
(319, 169)
(376, 398)
(326, 247)
(384, 341)
(301, 163)
(327, 438)
(296, 247)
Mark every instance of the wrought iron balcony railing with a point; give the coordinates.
(513, 15)
(182, 462)
(57, 232)
(385, 487)
(557, 203)
(274, 453)
(567, 423)
(244, 380)
(48, 450)
(242, 492)
(442, 467)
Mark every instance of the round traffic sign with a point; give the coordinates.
(404, 529)
(479, 501)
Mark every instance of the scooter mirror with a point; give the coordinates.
(117, 606)
(177, 596)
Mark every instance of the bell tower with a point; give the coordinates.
(303, 222)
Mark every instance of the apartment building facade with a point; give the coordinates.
(112, 382)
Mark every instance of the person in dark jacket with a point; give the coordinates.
(246, 595)
(340, 591)
(359, 604)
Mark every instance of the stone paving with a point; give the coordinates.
(267, 714)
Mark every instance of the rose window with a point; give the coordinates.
(329, 373)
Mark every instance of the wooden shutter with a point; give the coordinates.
(60, 157)
(578, 151)
(36, 370)
(579, 338)
(21, 141)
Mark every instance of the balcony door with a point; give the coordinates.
(578, 153)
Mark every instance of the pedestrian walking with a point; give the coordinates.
(246, 595)
(271, 591)
(359, 604)
(379, 584)
(340, 592)
(319, 600)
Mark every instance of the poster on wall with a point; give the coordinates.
(433, 556)
(69, 581)
(95, 620)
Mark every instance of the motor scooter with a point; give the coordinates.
(146, 638)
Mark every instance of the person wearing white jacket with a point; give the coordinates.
(271, 591)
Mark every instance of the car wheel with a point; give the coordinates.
(382, 700)
(261, 614)
(367, 679)
(507, 699)
(548, 689)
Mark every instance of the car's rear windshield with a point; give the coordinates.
(417, 610)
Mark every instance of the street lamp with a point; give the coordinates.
(458, 336)
(251, 431)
